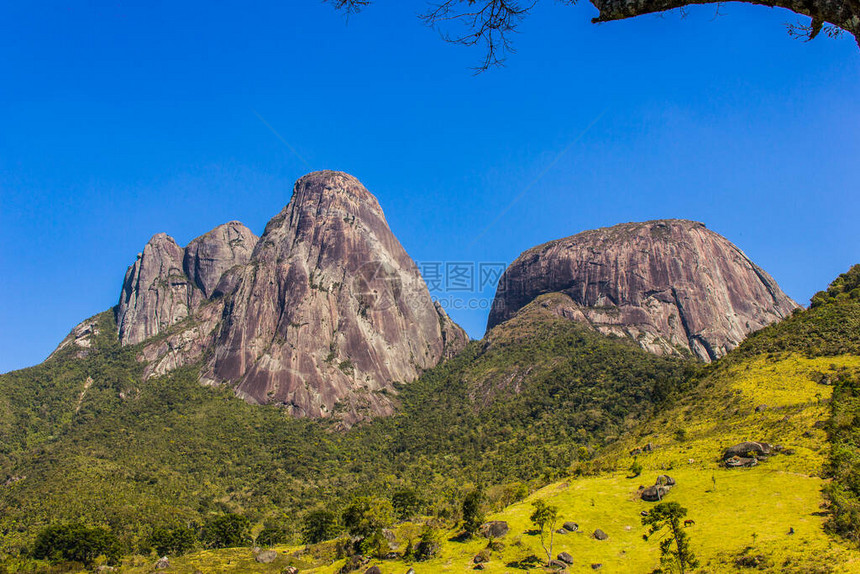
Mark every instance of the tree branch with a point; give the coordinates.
(492, 22)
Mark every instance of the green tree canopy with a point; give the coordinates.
(675, 552)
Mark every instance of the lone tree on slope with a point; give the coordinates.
(667, 516)
(544, 517)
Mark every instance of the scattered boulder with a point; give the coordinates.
(494, 529)
(561, 531)
(478, 567)
(287, 570)
(565, 557)
(557, 564)
(744, 449)
(265, 556)
(163, 563)
(570, 526)
(478, 559)
(596, 566)
(373, 570)
(661, 488)
(353, 563)
(600, 535)
(741, 462)
(761, 408)
(665, 480)
(410, 571)
(654, 493)
(644, 513)
(648, 447)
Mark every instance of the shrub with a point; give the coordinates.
(405, 503)
(76, 543)
(271, 535)
(367, 516)
(173, 541)
(429, 544)
(227, 531)
(473, 513)
(319, 525)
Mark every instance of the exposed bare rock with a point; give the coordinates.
(81, 337)
(670, 285)
(323, 314)
(330, 311)
(156, 292)
(454, 338)
(185, 344)
(210, 255)
(167, 283)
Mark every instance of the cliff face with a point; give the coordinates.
(671, 285)
(167, 283)
(322, 314)
(330, 311)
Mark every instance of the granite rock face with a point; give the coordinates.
(156, 293)
(210, 255)
(167, 283)
(330, 311)
(323, 314)
(671, 285)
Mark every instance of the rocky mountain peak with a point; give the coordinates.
(322, 314)
(210, 255)
(167, 283)
(672, 285)
(331, 311)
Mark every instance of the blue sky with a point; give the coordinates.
(122, 119)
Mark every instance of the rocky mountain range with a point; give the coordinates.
(325, 312)
(672, 285)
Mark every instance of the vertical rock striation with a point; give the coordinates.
(167, 283)
(671, 285)
(322, 314)
(330, 311)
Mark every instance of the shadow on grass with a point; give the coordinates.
(527, 563)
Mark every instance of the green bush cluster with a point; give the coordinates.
(76, 543)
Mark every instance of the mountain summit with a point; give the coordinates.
(322, 314)
(671, 285)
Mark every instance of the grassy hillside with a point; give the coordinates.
(738, 512)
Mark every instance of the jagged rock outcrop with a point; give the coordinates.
(167, 283)
(671, 285)
(322, 314)
(330, 311)
(210, 255)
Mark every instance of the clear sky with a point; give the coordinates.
(122, 119)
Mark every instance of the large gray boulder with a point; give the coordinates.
(654, 493)
(565, 557)
(493, 529)
(745, 449)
